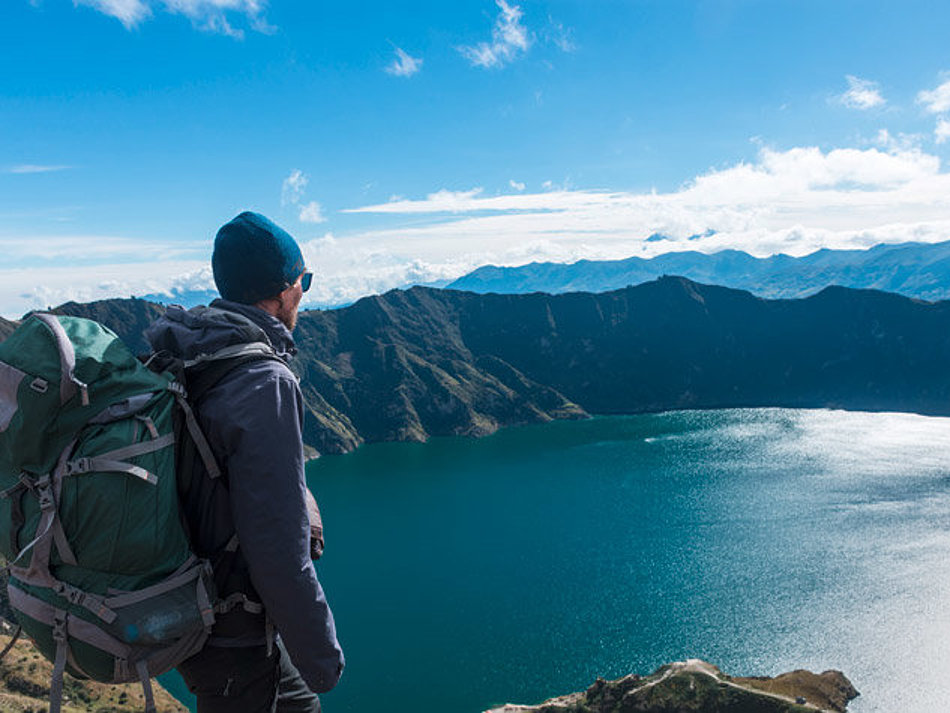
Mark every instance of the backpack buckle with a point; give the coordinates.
(80, 465)
(59, 626)
(44, 493)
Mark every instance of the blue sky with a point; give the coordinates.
(406, 142)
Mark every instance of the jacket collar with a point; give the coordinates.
(275, 330)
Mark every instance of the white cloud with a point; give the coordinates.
(793, 201)
(942, 132)
(509, 38)
(562, 37)
(517, 185)
(901, 142)
(936, 101)
(208, 15)
(77, 249)
(35, 168)
(27, 288)
(444, 201)
(311, 213)
(213, 15)
(862, 94)
(292, 193)
(292, 190)
(128, 12)
(404, 65)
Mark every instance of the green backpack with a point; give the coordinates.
(102, 577)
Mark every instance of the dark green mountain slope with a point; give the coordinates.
(396, 367)
(675, 344)
(127, 318)
(411, 364)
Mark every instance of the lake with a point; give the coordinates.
(465, 573)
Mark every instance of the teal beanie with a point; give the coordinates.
(254, 259)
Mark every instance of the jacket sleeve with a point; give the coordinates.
(265, 467)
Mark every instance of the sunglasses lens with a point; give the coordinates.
(305, 281)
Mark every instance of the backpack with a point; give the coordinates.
(101, 573)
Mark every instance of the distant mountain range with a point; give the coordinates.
(411, 364)
(186, 298)
(919, 270)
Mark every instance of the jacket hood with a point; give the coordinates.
(204, 330)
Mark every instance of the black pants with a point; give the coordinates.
(246, 680)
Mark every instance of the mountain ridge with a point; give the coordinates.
(919, 270)
(411, 364)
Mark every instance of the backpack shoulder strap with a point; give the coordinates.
(206, 370)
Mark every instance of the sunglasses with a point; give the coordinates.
(305, 280)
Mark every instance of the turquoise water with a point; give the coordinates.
(465, 573)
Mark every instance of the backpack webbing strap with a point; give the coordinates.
(41, 544)
(77, 627)
(141, 668)
(60, 627)
(62, 544)
(255, 349)
(91, 602)
(166, 585)
(194, 430)
(138, 449)
(202, 374)
(69, 384)
(46, 490)
(104, 465)
(204, 604)
(113, 461)
(12, 641)
(123, 409)
(238, 599)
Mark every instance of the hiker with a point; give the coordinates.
(253, 418)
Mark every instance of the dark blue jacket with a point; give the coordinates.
(253, 419)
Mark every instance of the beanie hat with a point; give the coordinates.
(254, 259)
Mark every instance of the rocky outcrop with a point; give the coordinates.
(695, 686)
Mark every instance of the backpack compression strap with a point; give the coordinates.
(201, 375)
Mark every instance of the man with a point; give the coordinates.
(252, 418)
